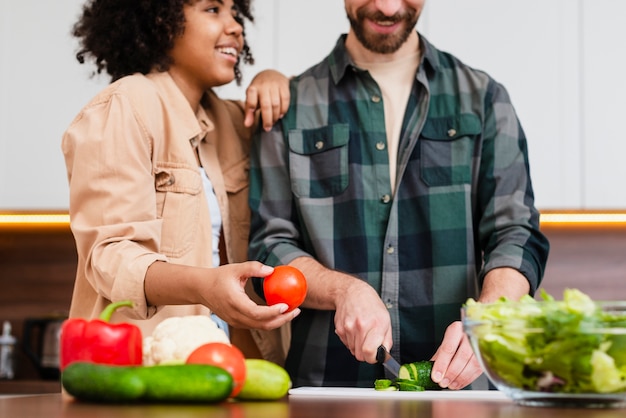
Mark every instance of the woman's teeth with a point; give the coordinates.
(228, 51)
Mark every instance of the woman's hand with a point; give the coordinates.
(269, 92)
(221, 289)
(224, 293)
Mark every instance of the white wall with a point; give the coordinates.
(42, 87)
(291, 35)
(561, 61)
(531, 47)
(603, 101)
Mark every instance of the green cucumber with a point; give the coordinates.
(91, 382)
(125, 384)
(265, 381)
(419, 372)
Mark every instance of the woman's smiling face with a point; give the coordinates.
(206, 53)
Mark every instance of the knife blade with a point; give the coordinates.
(383, 357)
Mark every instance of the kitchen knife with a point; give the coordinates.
(383, 357)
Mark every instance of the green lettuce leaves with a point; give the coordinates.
(570, 346)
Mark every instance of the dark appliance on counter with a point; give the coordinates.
(41, 344)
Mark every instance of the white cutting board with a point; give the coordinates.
(347, 393)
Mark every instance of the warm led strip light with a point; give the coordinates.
(578, 218)
(26, 219)
(548, 219)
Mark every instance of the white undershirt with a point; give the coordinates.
(216, 215)
(395, 79)
(216, 226)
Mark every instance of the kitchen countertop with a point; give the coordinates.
(308, 405)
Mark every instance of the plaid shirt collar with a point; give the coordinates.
(340, 62)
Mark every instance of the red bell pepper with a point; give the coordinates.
(99, 341)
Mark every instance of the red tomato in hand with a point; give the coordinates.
(287, 285)
(223, 355)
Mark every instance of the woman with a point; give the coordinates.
(157, 165)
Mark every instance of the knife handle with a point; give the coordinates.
(381, 354)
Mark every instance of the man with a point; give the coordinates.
(398, 183)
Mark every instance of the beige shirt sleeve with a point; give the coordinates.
(108, 157)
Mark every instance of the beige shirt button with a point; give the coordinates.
(389, 305)
(391, 250)
(380, 146)
(451, 132)
(376, 99)
(386, 198)
(319, 144)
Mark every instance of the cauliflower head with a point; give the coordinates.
(173, 339)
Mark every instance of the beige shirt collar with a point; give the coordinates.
(195, 126)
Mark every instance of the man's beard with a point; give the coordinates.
(383, 43)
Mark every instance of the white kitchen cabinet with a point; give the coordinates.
(532, 48)
(42, 88)
(561, 61)
(603, 103)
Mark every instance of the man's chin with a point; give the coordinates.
(383, 44)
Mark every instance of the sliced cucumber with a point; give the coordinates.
(419, 372)
(411, 377)
(384, 384)
(406, 372)
(408, 385)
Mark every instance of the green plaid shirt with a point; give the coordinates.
(463, 205)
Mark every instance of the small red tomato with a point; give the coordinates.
(223, 355)
(287, 285)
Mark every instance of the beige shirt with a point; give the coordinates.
(136, 194)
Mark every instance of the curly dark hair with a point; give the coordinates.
(124, 37)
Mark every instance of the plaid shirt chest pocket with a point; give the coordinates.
(446, 148)
(318, 160)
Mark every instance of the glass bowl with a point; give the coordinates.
(569, 353)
